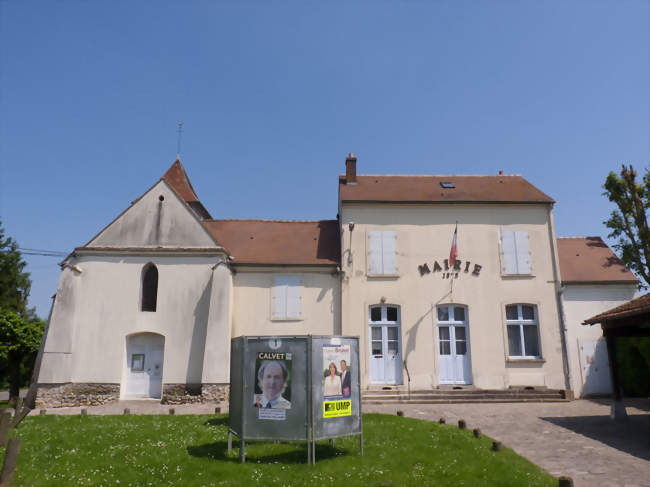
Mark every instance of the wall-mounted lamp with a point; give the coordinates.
(350, 227)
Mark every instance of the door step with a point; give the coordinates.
(440, 396)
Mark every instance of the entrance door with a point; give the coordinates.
(453, 358)
(385, 345)
(144, 365)
(595, 367)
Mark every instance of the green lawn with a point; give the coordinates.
(192, 450)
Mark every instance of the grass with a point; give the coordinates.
(192, 451)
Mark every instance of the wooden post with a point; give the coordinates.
(477, 433)
(565, 482)
(618, 408)
(9, 465)
(497, 446)
(5, 424)
(462, 424)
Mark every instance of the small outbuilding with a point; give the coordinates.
(631, 319)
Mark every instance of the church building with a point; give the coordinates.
(448, 281)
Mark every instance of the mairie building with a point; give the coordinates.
(450, 282)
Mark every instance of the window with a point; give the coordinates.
(523, 337)
(515, 252)
(382, 253)
(149, 287)
(286, 300)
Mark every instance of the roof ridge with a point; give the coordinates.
(266, 220)
(437, 175)
(583, 236)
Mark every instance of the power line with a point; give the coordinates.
(45, 253)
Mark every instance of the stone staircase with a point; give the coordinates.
(449, 395)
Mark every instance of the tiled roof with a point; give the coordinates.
(278, 242)
(428, 189)
(635, 307)
(178, 180)
(589, 259)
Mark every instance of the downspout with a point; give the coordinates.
(559, 290)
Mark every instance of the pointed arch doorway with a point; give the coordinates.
(145, 354)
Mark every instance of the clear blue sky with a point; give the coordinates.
(273, 95)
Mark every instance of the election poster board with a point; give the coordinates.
(272, 381)
(336, 381)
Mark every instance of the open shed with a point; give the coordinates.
(631, 319)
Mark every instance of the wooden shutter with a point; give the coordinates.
(389, 252)
(293, 296)
(279, 309)
(508, 252)
(523, 252)
(374, 253)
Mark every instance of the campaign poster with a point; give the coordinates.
(337, 389)
(272, 385)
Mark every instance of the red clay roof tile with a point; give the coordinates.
(637, 306)
(428, 189)
(278, 242)
(589, 259)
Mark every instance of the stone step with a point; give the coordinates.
(465, 395)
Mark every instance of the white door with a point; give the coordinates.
(594, 364)
(385, 345)
(144, 365)
(453, 346)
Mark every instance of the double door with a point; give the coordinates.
(385, 346)
(145, 355)
(453, 345)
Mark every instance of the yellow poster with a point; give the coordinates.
(334, 409)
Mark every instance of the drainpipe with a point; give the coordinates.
(559, 290)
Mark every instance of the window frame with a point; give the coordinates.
(521, 323)
(276, 286)
(383, 272)
(149, 266)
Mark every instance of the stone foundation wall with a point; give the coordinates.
(194, 393)
(84, 394)
(81, 394)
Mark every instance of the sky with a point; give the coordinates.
(274, 95)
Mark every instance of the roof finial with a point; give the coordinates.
(178, 144)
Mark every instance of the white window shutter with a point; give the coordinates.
(293, 297)
(374, 253)
(523, 252)
(279, 297)
(389, 252)
(509, 252)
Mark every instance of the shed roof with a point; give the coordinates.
(278, 242)
(428, 189)
(637, 306)
(590, 260)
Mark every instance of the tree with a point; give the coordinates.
(20, 328)
(19, 342)
(629, 223)
(14, 282)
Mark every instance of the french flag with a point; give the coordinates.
(453, 253)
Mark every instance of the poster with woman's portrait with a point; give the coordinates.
(336, 371)
(272, 384)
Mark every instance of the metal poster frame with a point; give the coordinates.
(300, 417)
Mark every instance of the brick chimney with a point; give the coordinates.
(351, 169)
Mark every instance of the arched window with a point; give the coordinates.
(149, 287)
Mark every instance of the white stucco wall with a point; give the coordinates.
(252, 302)
(424, 234)
(150, 222)
(581, 302)
(96, 310)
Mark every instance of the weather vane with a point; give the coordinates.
(178, 145)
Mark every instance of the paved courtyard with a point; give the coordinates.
(576, 439)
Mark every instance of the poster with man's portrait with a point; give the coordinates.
(272, 384)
